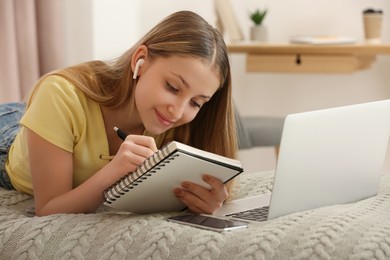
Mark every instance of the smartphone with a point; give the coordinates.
(208, 222)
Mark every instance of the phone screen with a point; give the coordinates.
(208, 222)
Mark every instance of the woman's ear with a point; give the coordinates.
(138, 59)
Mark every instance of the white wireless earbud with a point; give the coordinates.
(137, 65)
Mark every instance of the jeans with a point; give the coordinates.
(10, 114)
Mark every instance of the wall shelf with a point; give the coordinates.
(268, 57)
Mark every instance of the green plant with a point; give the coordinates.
(258, 16)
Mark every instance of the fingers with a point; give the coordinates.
(143, 144)
(199, 199)
(134, 151)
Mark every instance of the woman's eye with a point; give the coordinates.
(195, 104)
(172, 88)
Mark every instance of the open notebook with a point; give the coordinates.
(327, 157)
(150, 188)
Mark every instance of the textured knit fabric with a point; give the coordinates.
(358, 230)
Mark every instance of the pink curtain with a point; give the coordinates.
(31, 44)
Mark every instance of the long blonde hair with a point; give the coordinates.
(182, 33)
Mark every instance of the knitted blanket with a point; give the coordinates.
(358, 230)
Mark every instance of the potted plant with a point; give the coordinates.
(258, 31)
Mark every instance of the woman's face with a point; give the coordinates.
(171, 91)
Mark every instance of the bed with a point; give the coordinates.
(359, 230)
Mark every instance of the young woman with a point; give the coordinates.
(173, 84)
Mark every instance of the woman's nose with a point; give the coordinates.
(177, 109)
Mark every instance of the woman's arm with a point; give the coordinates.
(52, 174)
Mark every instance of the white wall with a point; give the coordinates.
(78, 30)
(119, 23)
(101, 29)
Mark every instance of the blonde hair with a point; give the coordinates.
(182, 33)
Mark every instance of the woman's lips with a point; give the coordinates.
(163, 120)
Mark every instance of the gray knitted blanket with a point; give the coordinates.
(359, 230)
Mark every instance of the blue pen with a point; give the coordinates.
(120, 133)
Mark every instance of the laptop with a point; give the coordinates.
(327, 157)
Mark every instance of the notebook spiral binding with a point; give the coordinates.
(149, 167)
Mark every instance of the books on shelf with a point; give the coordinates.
(322, 40)
(149, 189)
(227, 20)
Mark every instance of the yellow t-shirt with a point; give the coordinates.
(61, 114)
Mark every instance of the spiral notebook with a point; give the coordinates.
(150, 188)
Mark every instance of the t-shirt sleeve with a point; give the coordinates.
(55, 112)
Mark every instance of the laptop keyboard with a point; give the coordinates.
(256, 214)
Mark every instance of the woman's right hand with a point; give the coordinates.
(134, 150)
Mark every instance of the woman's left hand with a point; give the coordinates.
(202, 200)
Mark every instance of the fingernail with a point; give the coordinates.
(206, 178)
(177, 191)
(185, 185)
